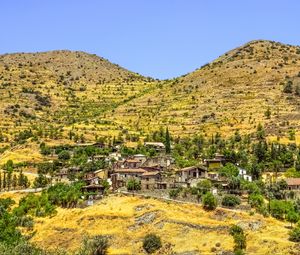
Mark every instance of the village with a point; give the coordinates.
(159, 176)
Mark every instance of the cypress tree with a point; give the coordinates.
(14, 182)
(4, 181)
(168, 142)
(9, 179)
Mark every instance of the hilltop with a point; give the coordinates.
(51, 91)
(231, 93)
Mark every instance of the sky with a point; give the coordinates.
(157, 38)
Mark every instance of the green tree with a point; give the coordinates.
(41, 181)
(64, 155)
(292, 217)
(294, 235)
(133, 185)
(209, 201)
(151, 243)
(168, 142)
(9, 166)
(260, 132)
(239, 238)
(14, 182)
(230, 200)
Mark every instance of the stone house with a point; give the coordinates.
(155, 180)
(157, 146)
(293, 183)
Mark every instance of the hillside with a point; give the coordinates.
(66, 96)
(52, 91)
(233, 92)
(183, 228)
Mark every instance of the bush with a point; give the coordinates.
(295, 234)
(256, 200)
(97, 245)
(133, 184)
(239, 239)
(173, 193)
(288, 88)
(209, 201)
(292, 217)
(151, 243)
(231, 200)
(64, 155)
(280, 208)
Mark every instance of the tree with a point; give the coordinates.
(151, 243)
(4, 181)
(173, 193)
(295, 234)
(229, 170)
(256, 200)
(292, 217)
(9, 166)
(14, 182)
(133, 184)
(239, 238)
(231, 200)
(260, 132)
(204, 186)
(209, 201)
(168, 142)
(9, 179)
(41, 181)
(64, 155)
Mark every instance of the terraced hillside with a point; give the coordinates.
(60, 89)
(233, 92)
(62, 94)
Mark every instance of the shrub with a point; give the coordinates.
(256, 200)
(292, 217)
(239, 238)
(97, 245)
(288, 88)
(133, 184)
(280, 208)
(151, 243)
(173, 193)
(209, 201)
(295, 234)
(231, 200)
(64, 155)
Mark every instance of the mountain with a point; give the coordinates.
(234, 92)
(58, 89)
(57, 93)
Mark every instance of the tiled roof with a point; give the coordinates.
(152, 173)
(130, 170)
(293, 181)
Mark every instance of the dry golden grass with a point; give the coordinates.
(91, 96)
(237, 88)
(115, 216)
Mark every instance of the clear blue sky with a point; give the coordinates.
(158, 38)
